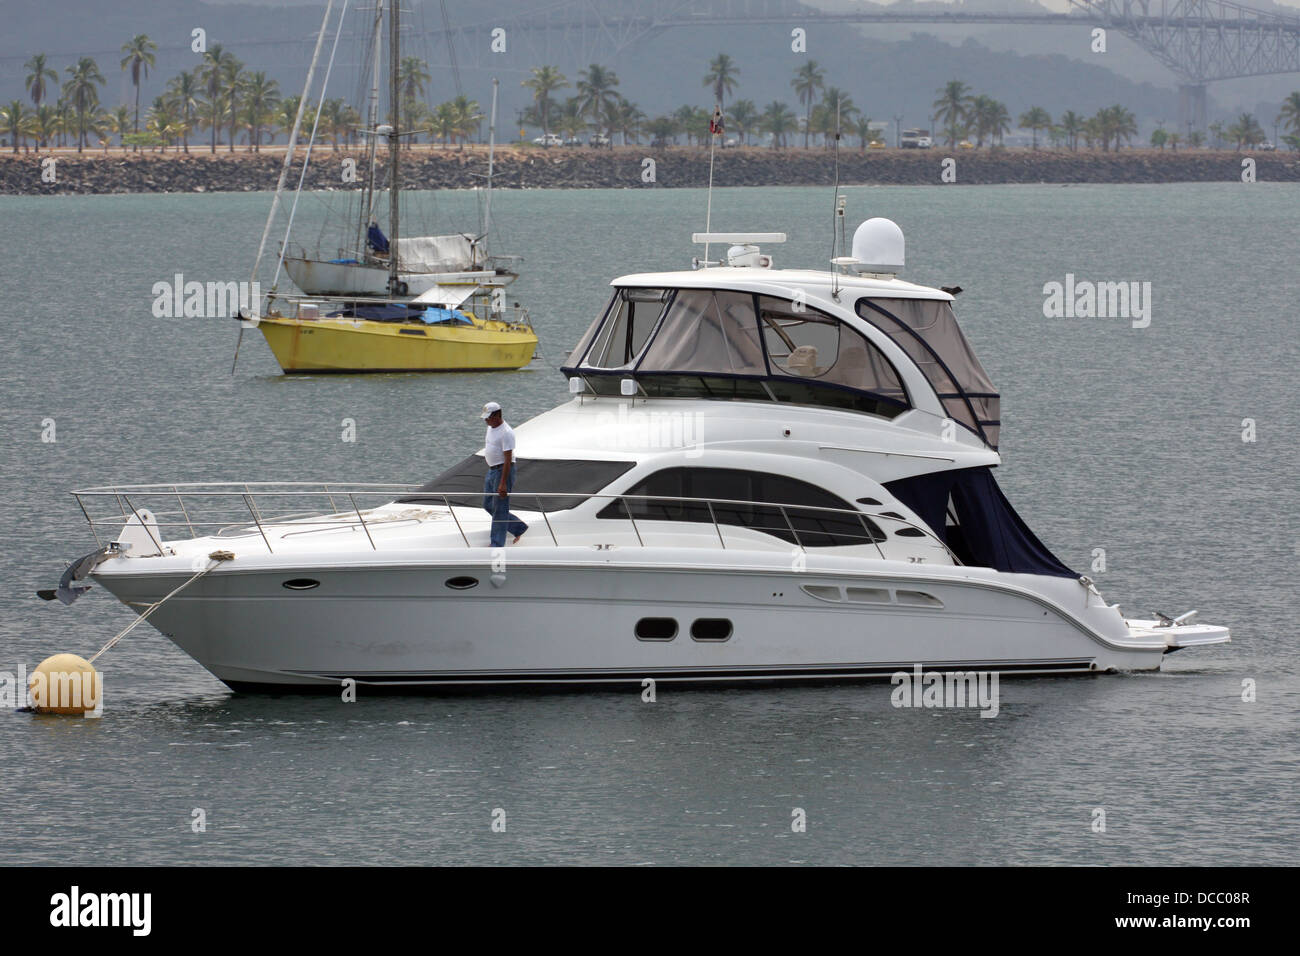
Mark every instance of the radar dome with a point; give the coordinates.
(878, 246)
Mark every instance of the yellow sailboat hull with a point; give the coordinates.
(359, 345)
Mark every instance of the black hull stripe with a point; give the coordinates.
(716, 677)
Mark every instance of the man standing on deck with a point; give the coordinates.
(499, 450)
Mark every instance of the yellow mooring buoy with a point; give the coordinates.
(66, 684)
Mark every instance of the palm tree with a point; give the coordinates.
(1246, 131)
(722, 77)
(596, 94)
(1289, 117)
(953, 108)
(466, 114)
(865, 132)
(64, 120)
(544, 81)
(778, 119)
(744, 117)
(838, 111)
(412, 77)
(16, 122)
(660, 129)
(119, 122)
(100, 124)
(45, 124)
(162, 121)
(1124, 126)
(139, 57)
(38, 71)
(1034, 119)
(212, 72)
(184, 92)
(980, 116)
(628, 120)
(808, 79)
(999, 121)
(287, 112)
(1174, 140)
(234, 79)
(260, 97)
(571, 122)
(1071, 126)
(81, 93)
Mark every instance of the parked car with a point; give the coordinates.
(1266, 147)
(730, 142)
(965, 144)
(550, 139)
(599, 141)
(876, 144)
(916, 139)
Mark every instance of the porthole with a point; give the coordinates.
(868, 501)
(301, 584)
(910, 533)
(656, 629)
(461, 583)
(917, 599)
(867, 595)
(711, 629)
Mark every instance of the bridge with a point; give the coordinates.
(1199, 40)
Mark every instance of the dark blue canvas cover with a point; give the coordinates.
(988, 532)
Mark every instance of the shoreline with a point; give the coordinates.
(424, 167)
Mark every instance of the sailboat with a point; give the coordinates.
(419, 303)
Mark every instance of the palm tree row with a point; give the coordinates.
(223, 98)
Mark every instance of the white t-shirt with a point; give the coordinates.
(499, 440)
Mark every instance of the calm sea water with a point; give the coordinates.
(1118, 438)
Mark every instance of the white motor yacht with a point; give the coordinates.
(761, 474)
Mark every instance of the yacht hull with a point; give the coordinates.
(358, 345)
(567, 620)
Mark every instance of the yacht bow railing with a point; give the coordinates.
(288, 509)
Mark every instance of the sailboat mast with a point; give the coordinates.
(372, 121)
(394, 182)
(492, 142)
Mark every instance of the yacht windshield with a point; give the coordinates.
(618, 336)
(723, 344)
(928, 332)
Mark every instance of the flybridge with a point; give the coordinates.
(892, 348)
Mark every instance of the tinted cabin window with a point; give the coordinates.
(576, 480)
(745, 499)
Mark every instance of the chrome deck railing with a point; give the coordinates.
(223, 510)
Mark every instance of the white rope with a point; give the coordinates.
(224, 556)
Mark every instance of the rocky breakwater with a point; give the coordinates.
(113, 171)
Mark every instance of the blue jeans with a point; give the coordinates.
(499, 508)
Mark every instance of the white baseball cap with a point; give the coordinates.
(490, 409)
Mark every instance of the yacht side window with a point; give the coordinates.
(784, 507)
(631, 318)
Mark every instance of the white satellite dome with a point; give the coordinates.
(878, 247)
